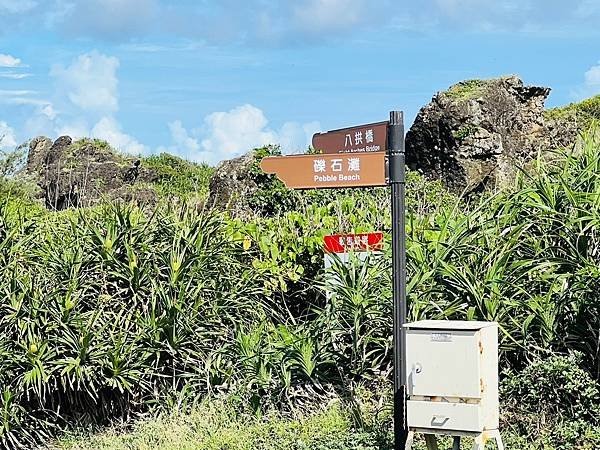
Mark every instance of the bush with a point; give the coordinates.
(13, 180)
(553, 400)
(178, 177)
(556, 386)
(273, 198)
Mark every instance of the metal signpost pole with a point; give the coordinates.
(397, 179)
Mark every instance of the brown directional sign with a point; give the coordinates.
(328, 171)
(360, 139)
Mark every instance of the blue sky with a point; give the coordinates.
(209, 80)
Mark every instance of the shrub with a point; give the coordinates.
(178, 177)
(273, 198)
(13, 180)
(552, 402)
(555, 386)
(585, 113)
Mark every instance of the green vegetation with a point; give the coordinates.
(113, 313)
(552, 401)
(471, 89)
(12, 181)
(179, 178)
(97, 144)
(171, 177)
(467, 89)
(217, 425)
(465, 131)
(560, 413)
(584, 114)
(273, 198)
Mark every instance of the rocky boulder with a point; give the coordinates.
(474, 135)
(72, 174)
(232, 184)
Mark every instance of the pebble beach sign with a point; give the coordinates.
(328, 171)
(352, 157)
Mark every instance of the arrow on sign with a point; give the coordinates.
(328, 171)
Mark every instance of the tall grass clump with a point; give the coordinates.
(527, 258)
(108, 310)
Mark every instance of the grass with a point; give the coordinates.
(465, 131)
(466, 89)
(220, 425)
(216, 426)
(584, 113)
(469, 89)
(178, 177)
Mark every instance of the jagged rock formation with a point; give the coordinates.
(232, 184)
(474, 135)
(72, 174)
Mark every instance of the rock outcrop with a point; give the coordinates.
(474, 135)
(72, 174)
(232, 184)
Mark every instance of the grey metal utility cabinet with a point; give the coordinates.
(452, 369)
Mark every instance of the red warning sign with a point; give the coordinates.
(345, 243)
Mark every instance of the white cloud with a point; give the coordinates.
(320, 15)
(21, 97)
(591, 84)
(27, 101)
(90, 82)
(41, 121)
(280, 22)
(58, 13)
(587, 9)
(91, 85)
(9, 60)
(14, 75)
(229, 134)
(7, 137)
(87, 93)
(107, 129)
(77, 129)
(126, 18)
(592, 78)
(8, 93)
(236, 131)
(48, 111)
(295, 137)
(184, 144)
(148, 47)
(17, 6)
(110, 130)
(182, 139)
